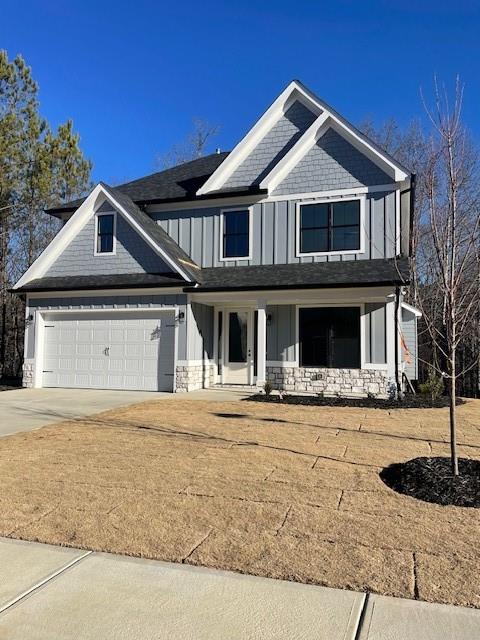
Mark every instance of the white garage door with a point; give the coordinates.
(117, 352)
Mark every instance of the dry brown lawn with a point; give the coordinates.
(287, 492)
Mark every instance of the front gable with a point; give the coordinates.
(132, 253)
(332, 163)
(293, 126)
(273, 146)
(141, 245)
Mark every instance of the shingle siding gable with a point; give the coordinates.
(133, 255)
(275, 144)
(332, 163)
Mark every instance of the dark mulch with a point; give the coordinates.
(431, 480)
(6, 384)
(409, 402)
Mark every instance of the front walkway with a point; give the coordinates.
(28, 409)
(55, 592)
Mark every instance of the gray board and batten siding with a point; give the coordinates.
(197, 231)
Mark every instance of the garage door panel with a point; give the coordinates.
(140, 352)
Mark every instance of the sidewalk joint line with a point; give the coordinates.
(42, 583)
(361, 617)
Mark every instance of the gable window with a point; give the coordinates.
(235, 234)
(105, 233)
(329, 226)
(329, 337)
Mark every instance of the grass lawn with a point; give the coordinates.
(287, 492)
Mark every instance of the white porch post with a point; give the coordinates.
(390, 331)
(261, 342)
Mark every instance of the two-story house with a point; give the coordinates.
(283, 260)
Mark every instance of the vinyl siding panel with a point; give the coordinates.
(375, 333)
(273, 241)
(281, 333)
(409, 330)
(332, 163)
(275, 144)
(133, 255)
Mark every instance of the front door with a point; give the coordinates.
(238, 346)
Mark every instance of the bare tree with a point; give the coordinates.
(447, 275)
(194, 146)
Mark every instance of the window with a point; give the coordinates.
(105, 232)
(330, 226)
(329, 337)
(236, 234)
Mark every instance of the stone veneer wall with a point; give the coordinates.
(345, 382)
(191, 377)
(28, 373)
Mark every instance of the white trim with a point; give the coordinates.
(408, 307)
(42, 315)
(398, 231)
(295, 296)
(250, 234)
(299, 254)
(78, 220)
(113, 252)
(295, 91)
(359, 305)
(256, 133)
(333, 193)
(296, 153)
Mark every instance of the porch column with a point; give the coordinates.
(261, 341)
(390, 332)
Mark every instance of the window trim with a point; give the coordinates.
(298, 205)
(95, 238)
(358, 305)
(249, 210)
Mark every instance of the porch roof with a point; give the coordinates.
(314, 275)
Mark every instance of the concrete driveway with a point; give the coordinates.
(55, 592)
(27, 409)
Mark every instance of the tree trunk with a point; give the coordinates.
(453, 417)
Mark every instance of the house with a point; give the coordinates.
(283, 260)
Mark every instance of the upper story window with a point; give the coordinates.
(235, 234)
(105, 233)
(326, 227)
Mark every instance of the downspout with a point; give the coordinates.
(397, 374)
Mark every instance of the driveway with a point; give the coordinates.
(54, 592)
(27, 409)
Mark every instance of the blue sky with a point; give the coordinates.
(132, 75)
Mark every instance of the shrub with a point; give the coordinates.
(433, 387)
(268, 388)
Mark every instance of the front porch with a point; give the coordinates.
(331, 341)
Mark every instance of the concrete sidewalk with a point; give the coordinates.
(53, 592)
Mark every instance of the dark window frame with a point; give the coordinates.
(225, 236)
(329, 227)
(99, 235)
(330, 363)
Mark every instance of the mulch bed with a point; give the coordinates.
(431, 480)
(409, 402)
(7, 384)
